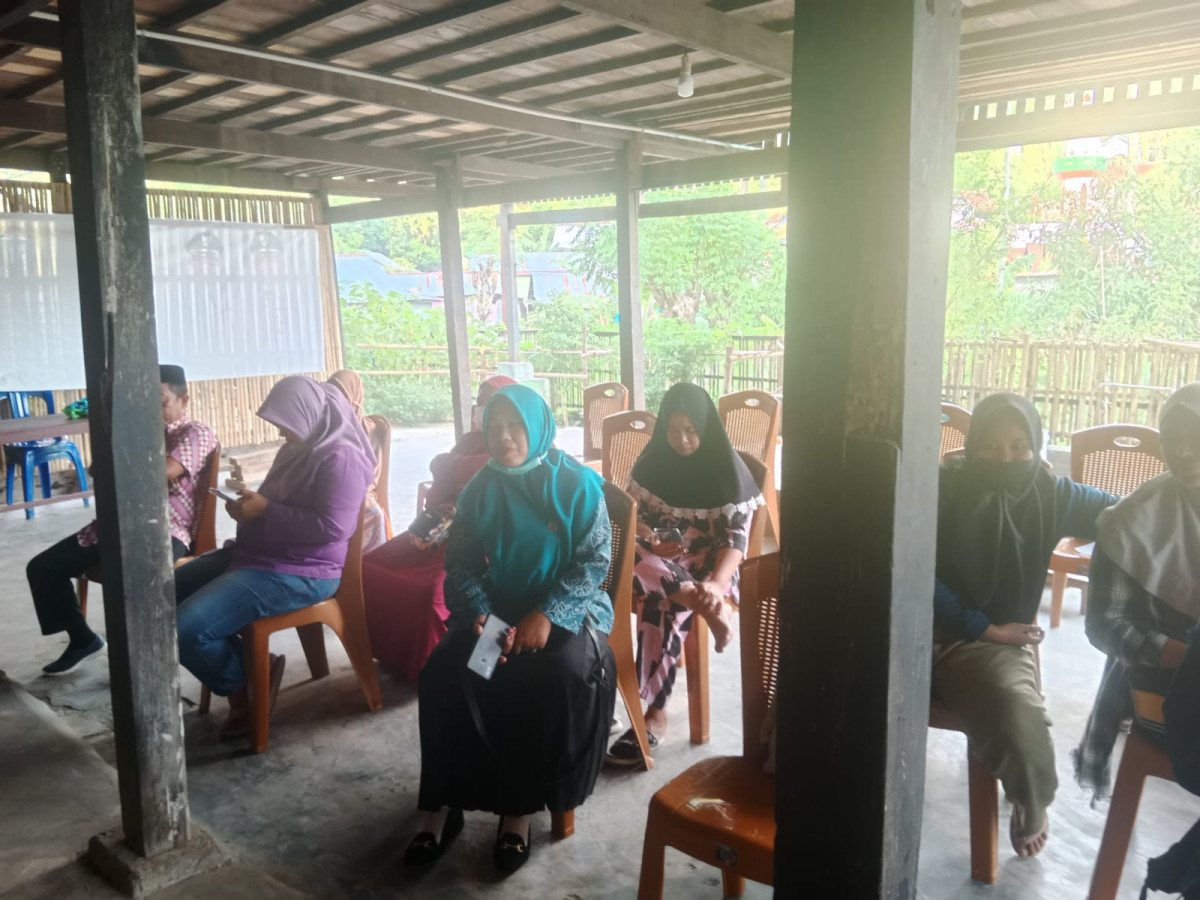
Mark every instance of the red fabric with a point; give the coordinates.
(451, 472)
(406, 609)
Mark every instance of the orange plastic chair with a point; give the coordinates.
(721, 811)
(956, 422)
(381, 442)
(204, 528)
(1140, 760)
(599, 401)
(695, 648)
(622, 514)
(1114, 458)
(625, 436)
(751, 419)
(343, 612)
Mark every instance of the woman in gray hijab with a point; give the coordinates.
(1144, 592)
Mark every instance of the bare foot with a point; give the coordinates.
(1026, 846)
(721, 624)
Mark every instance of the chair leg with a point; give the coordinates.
(81, 591)
(985, 825)
(732, 885)
(312, 639)
(205, 700)
(1122, 814)
(258, 676)
(10, 477)
(1058, 587)
(562, 825)
(81, 474)
(27, 482)
(654, 852)
(695, 648)
(1083, 592)
(44, 476)
(621, 641)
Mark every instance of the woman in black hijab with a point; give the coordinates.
(1000, 515)
(695, 500)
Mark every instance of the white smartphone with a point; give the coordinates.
(488, 647)
(228, 498)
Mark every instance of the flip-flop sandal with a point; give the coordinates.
(1021, 843)
(239, 728)
(625, 750)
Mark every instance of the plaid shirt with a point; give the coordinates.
(1132, 626)
(189, 443)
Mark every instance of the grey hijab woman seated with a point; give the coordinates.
(1000, 514)
(1144, 592)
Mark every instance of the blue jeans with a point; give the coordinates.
(216, 604)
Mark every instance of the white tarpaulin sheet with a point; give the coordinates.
(232, 300)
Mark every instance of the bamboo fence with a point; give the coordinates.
(228, 405)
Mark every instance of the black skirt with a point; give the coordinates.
(546, 720)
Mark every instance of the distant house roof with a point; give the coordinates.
(382, 274)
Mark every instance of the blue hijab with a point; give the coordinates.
(529, 518)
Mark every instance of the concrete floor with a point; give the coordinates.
(327, 810)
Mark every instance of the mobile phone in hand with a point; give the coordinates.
(668, 536)
(488, 647)
(228, 498)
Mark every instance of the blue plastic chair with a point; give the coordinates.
(37, 454)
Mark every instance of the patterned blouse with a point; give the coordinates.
(189, 443)
(577, 595)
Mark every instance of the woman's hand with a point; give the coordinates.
(1172, 654)
(645, 532)
(1015, 634)
(711, 594)
(532, 632)
(251, 505)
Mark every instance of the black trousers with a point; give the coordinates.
(50, 575)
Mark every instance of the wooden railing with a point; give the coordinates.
(1074, 384)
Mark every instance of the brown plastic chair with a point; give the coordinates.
(622, 514)
(381, 443)
(625, 436)
(599, 401)
(204, 527)
(982, 796)
(751, 419)
(956, 422)
(695, 648)
(1141, 759)
(343, 612)
(721, 811)
(1114, 458)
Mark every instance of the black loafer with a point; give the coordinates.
(511, 850)
(73, 656)
(625, 750)
(425, 849)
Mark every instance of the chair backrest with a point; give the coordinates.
(622, 515)
(1116, 458)
(751, 419)
(956, 422)
(625, 436)
(600, 400)
(349, 593)
(204, 525)
(381, 442)
(758, 525)
(759, 624)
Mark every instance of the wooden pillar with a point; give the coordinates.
(629, 282)
(112, 245)
(454, 298)
(871, 172)
(508, 281)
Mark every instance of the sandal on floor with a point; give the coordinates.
(239, 727)
(625, 750)
(511, 850)
(425, 849)
(1024, 845)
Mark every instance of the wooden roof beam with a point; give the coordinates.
(627, 84)
(475, 40)
(725, 92)
(996, 7)
(15, 11)
(250, 109)
(206, 93)
(186, 13)
(417, 24)
(322, 14)
(696, 25)
(533, 54)
(33, 87)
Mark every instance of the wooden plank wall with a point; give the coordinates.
(229, 404)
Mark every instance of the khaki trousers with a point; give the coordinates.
(992, 688)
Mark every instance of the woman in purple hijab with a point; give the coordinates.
(292, 538)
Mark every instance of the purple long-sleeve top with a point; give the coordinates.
(308, 532)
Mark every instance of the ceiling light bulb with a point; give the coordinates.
(686, 86)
